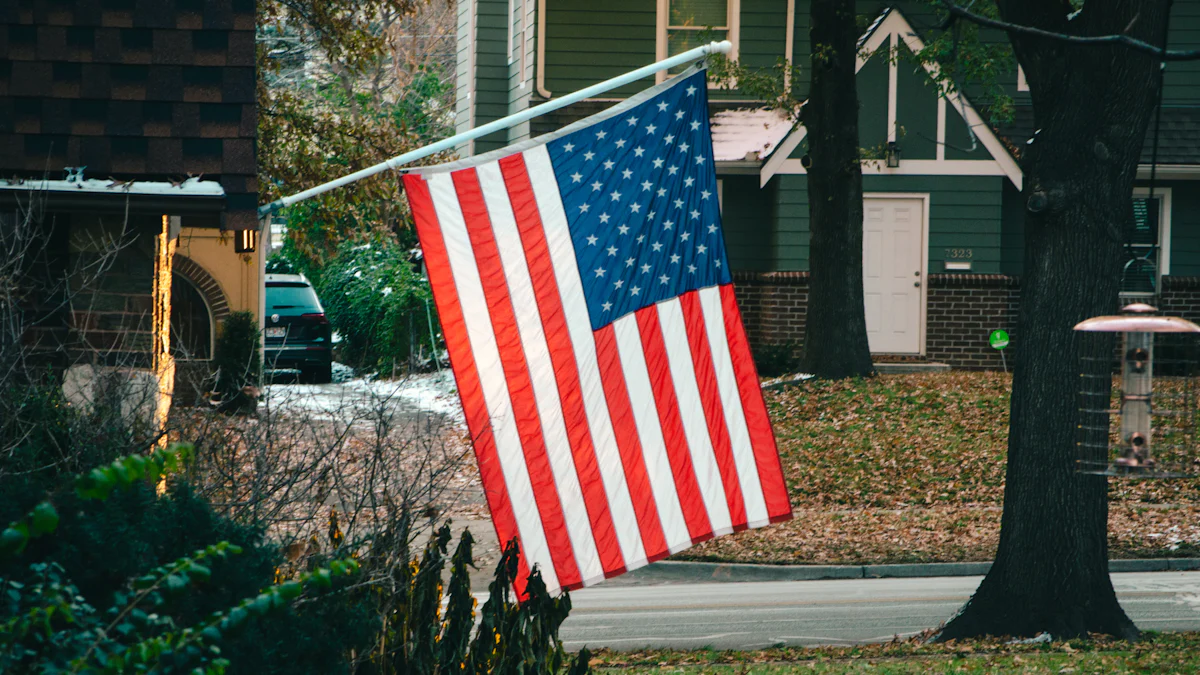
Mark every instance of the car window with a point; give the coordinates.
(292, 296)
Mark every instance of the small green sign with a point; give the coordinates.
(998, 339)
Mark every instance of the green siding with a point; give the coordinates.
(872, 85)
(916, 110)
(747, 218)
(791, 230)
(491, 69)
(964, 212)
(1183, 77)
(587, 42)
(959, 142)
(1185, 227)
(1012, 235)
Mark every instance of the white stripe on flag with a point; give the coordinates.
(495, 390)
(570, 287)
(654, 448)
(541, 371)
(691, 413)
(731, 402)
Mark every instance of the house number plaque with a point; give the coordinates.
(959, 254)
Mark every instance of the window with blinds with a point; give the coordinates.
(1143, 248)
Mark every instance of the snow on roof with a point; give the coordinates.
(191, 187)
(747, 135)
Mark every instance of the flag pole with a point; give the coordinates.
(723, 47)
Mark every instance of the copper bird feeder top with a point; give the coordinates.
(1137, 319)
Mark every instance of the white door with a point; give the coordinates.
(893, 230)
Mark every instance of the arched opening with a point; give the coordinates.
(191, 321)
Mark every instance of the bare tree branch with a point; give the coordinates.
(958, 12)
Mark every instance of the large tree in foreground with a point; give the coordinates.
(835, 334)
(1092, 105)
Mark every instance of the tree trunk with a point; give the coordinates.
(1091, 109)
(835, 340)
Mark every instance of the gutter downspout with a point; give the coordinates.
(540, 86)
(788, 42)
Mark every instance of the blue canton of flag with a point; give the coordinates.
(640, 193)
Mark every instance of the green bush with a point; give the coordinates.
(378, 304)
(419, 637)
(773, 360)
(48, 617)
(238, 362)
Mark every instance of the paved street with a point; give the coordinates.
(755, 615)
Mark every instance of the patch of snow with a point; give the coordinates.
(1040, 638)
(748, 135)
(387, 290)
(341, 371)
(347, 396)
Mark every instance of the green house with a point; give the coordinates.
(943, 239)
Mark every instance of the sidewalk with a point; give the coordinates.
(667, 572)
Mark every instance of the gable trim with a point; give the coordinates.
(893, 27)
(914, 167)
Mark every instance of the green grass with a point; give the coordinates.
(1157, 653)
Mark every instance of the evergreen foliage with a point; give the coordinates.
(49, 621)
(379, 304)
(238, 362)
(420, 637)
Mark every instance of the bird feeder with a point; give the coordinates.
(1137, 413)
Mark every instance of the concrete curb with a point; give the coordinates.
(667, 572)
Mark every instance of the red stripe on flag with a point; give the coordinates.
(516, 374)
(678, 452)
(762, 439)
(466, 374)
(562, 356)
(629, 445)
(714, 411)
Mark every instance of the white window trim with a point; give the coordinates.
(733, 22)
(1164, 231)
(1022, 84)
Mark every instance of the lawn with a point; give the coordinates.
(910, 468)
(1160, 653)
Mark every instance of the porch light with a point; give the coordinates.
(245, 241)
(893, 154)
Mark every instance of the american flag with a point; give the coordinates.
(586, 302)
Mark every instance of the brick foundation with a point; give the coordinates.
(962, 311)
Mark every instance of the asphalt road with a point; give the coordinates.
(838, 612)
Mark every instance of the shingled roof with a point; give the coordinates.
(1178, 136)
(147, 90)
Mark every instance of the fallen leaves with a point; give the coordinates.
(910, 468)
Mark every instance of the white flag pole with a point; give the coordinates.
(633, 76)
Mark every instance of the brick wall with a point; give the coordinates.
(112, 288)
(963, 310)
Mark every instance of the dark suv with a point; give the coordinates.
(296, 333)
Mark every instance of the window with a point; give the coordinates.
(687, 24)
(1148, 254)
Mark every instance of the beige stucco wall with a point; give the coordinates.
(237, 273)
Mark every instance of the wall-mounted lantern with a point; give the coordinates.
(893, 154)
(1143, 421)
(245, 241)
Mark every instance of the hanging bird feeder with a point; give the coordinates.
(1143, 421)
